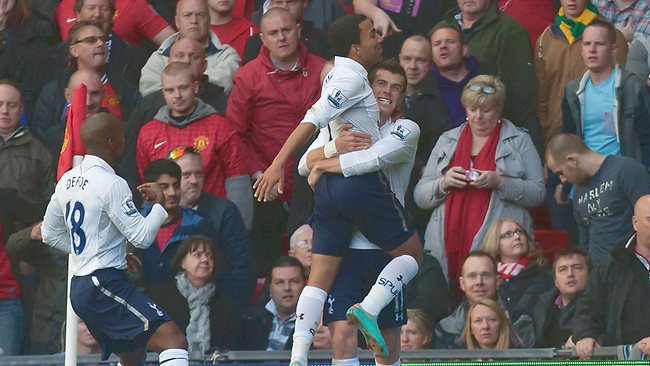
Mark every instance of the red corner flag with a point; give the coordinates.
(72, 148)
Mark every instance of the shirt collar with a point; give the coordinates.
(352, 64)
(93, 160)
(270, 306)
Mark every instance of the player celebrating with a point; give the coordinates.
(395, 155)
(92, 215)
(343, 202)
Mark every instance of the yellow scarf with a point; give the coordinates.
(572, 28)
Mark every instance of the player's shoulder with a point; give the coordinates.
(405, 130)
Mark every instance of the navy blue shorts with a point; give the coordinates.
(359, 271)
(121, 318)
(364, 202)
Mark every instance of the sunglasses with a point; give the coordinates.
(485, 89)
(180, 151)
(92, 39)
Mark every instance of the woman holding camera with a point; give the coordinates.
(482, 170)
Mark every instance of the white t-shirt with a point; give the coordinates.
(92, 215)
(346, 97)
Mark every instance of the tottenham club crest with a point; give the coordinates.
(400, 132)
(336, 98)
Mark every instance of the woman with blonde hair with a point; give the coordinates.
(416, 333)
(486, 326)
(521, 267)
(482, 170)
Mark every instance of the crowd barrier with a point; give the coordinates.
(604, 356)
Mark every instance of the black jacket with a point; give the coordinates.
(222, 313)
(533, 279)
(254, 327)
(600, 309)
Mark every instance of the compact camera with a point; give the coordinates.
(471, 175)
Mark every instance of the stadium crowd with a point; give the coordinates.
(529, 185)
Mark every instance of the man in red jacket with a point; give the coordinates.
(269, 98)
(187, 121)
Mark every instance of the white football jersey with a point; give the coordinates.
(92, 215)
(346, 97)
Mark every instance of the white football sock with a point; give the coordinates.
(398, 363)
(173, 357)
(397, 273)
(308, 314)
(346, 362)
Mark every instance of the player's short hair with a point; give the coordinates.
(433, 30)
(14, 85)
(563, 144)
(570, 251)
(343, 33)
(78, 4)
(479, 254)
(178, 68)
(157, 168)
(609, 27)
(391, 66)
(287, 261)
(188, 246)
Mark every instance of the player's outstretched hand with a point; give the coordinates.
(133, 263)
(351, 140)
(272, 178)
(151, 192)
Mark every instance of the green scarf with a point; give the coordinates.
(573, 28)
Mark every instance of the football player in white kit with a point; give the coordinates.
(394, 154)
(343, 203)
(92, 215)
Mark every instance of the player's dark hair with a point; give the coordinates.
(189, 245)
(391, 66)
(343, 33)
(288, 261)
(156, 168)
(78, 4)
(569, 251)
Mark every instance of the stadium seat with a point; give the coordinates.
(258, 289)
(550, 241)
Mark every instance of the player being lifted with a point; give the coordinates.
(92, 215)
(345, 203)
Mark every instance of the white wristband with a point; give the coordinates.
(330, 150)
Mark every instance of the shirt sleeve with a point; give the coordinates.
(138, 230)
(341, 92)
(149, 22)
(397, 147)
(320, 141)
(54, 229)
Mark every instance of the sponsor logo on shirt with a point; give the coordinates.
(336, 98)
(400, 132)
(70, 19)
(159, 144)
(129, 208)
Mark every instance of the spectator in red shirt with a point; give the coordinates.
(134, 20)
(187, 120)
(231, 29)
(270, 96)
